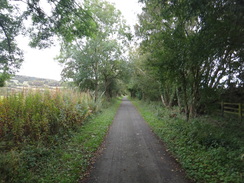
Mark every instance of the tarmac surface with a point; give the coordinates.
(133, 154)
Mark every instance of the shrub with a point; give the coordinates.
(209, 149)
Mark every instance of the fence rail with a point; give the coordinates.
(233, 108)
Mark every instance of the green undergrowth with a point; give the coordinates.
(209, 149)
(30, 116)
(64, 161)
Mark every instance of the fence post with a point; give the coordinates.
(240, 111)
(222, 108)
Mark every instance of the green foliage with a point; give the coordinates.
(141, 79)
(98, 63)
(193, 49)
(66, 19)
(209, 149)
(3, 78)
(66, 157)
(35, 116)
(11, 56)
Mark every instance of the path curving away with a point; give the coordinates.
(132, 153)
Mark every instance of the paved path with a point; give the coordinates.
(133, 154)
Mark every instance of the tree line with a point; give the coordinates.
(190, 51)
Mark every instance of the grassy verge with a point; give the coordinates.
(65, 158)
(209, 149)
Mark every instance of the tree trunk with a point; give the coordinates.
(186, 106)
(178, 98)
(172, 97)
(195, 102)
(96, 91)
(162, 99)
(96, 79)
(185, 97)
(108, 90)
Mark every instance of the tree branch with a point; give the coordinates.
(7, 37)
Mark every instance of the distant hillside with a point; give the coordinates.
(26, 81)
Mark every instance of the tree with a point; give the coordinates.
(193, 47)
(95, 66)
(143, 83)
(66, 19)
(97, 63)
(11, 56)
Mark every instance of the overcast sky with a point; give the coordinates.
(41, 63)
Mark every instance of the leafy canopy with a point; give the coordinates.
(195, 47)
(97, 63)
(67, 19)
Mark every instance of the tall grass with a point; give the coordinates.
(45, 137)
(36, 115)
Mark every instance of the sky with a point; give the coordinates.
(41, 63)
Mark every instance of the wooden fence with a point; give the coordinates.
(233, 108)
